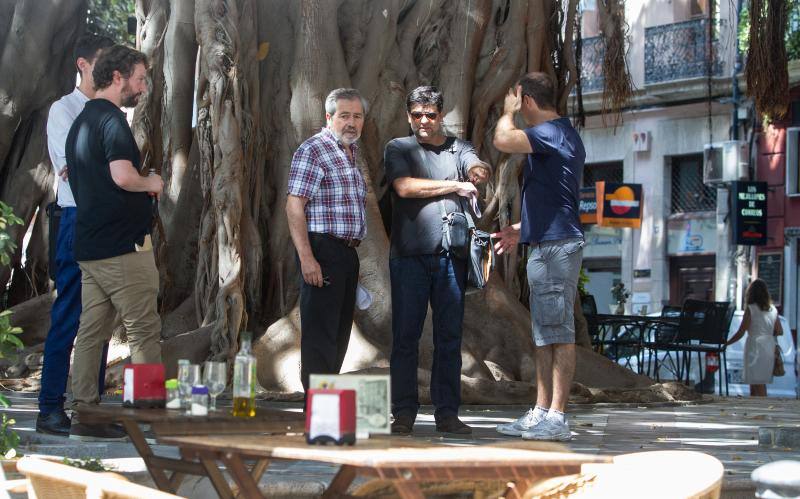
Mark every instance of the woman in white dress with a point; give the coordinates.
(761, 323)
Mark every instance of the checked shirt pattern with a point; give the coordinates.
(322, 173)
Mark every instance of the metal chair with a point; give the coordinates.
(660, 336)
(702, 328)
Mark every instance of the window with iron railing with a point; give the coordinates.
(682, 50)
(689, 193)
(592, 51)
(602, 172)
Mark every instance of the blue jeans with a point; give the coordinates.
(416, 281)
(64, 319)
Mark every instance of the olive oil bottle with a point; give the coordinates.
(244, 380)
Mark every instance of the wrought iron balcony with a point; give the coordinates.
(682, 50)
(592, 52)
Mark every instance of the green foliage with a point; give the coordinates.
(10, 343)
(9, 440)
(7, 245)
(792, 30)
(110, 18)
(583, 280)
(88, 464)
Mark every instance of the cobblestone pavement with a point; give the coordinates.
(726, 428)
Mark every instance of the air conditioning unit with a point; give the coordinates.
(725, 161)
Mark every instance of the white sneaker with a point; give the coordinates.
(550, 430)
(521, 425)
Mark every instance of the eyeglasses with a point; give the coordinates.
(430, 116)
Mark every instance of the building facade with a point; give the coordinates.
(682, 63)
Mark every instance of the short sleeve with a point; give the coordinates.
(118, 142)
(305, 175)
(395, 162)
(469, 158)
(544, 138)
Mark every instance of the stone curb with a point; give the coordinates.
(779, 436)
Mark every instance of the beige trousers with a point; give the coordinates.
(128, 285)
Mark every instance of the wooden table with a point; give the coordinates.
(173, 422)
(405, 463)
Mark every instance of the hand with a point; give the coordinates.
(513, 101)
(507, 239)
(478, 174)
(312, 272)
(63, 174)
(156, 185)
(466, 189)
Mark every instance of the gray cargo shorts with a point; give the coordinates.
(553, 268)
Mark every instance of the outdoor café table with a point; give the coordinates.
(165, 422)
(611, 328)
(402, 461)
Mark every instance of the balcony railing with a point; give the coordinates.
(681, 50)
(592, 52)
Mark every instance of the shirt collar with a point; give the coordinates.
(80, 95)
(327, 131)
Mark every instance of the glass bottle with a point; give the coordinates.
(244, 380)
(173, 394)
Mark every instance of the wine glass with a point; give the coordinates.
(215, 377)
(188, 376)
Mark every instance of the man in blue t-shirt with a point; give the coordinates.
(551, 227)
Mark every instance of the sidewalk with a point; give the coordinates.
(726, 428)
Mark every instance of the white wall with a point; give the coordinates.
(673, 131)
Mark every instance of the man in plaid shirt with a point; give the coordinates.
(325, 207)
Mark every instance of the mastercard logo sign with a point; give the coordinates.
(622, 200)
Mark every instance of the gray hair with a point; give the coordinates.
(346, 94)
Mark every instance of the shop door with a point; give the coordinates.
(691, 278)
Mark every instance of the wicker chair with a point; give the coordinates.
(51, 479)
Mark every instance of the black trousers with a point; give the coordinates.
(326, 313)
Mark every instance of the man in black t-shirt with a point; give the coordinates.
(427, 173)
(112, 230)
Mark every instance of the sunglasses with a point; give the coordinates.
(430, 116)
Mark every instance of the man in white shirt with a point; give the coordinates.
(66, 310)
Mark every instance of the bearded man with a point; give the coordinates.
(326, 210)
(112, 231)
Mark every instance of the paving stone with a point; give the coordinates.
(727, 428)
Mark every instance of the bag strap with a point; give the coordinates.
(440, 201)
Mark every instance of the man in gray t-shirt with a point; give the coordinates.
(425, 172)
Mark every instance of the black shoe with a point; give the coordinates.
(97, 432)
(55, 423)
(451, 424)
(403, 425)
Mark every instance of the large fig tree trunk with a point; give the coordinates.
(237, 85)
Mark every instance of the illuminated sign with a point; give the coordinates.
(749, 209)
(587, 205)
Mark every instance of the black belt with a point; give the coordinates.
(350, 243)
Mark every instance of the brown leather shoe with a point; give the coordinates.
(451, 424)
(403, 425)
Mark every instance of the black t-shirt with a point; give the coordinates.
(109, 220)
(417, 222)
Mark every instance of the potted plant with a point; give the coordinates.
(620, 296)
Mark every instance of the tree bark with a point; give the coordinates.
(257, 74)
(35, 70)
